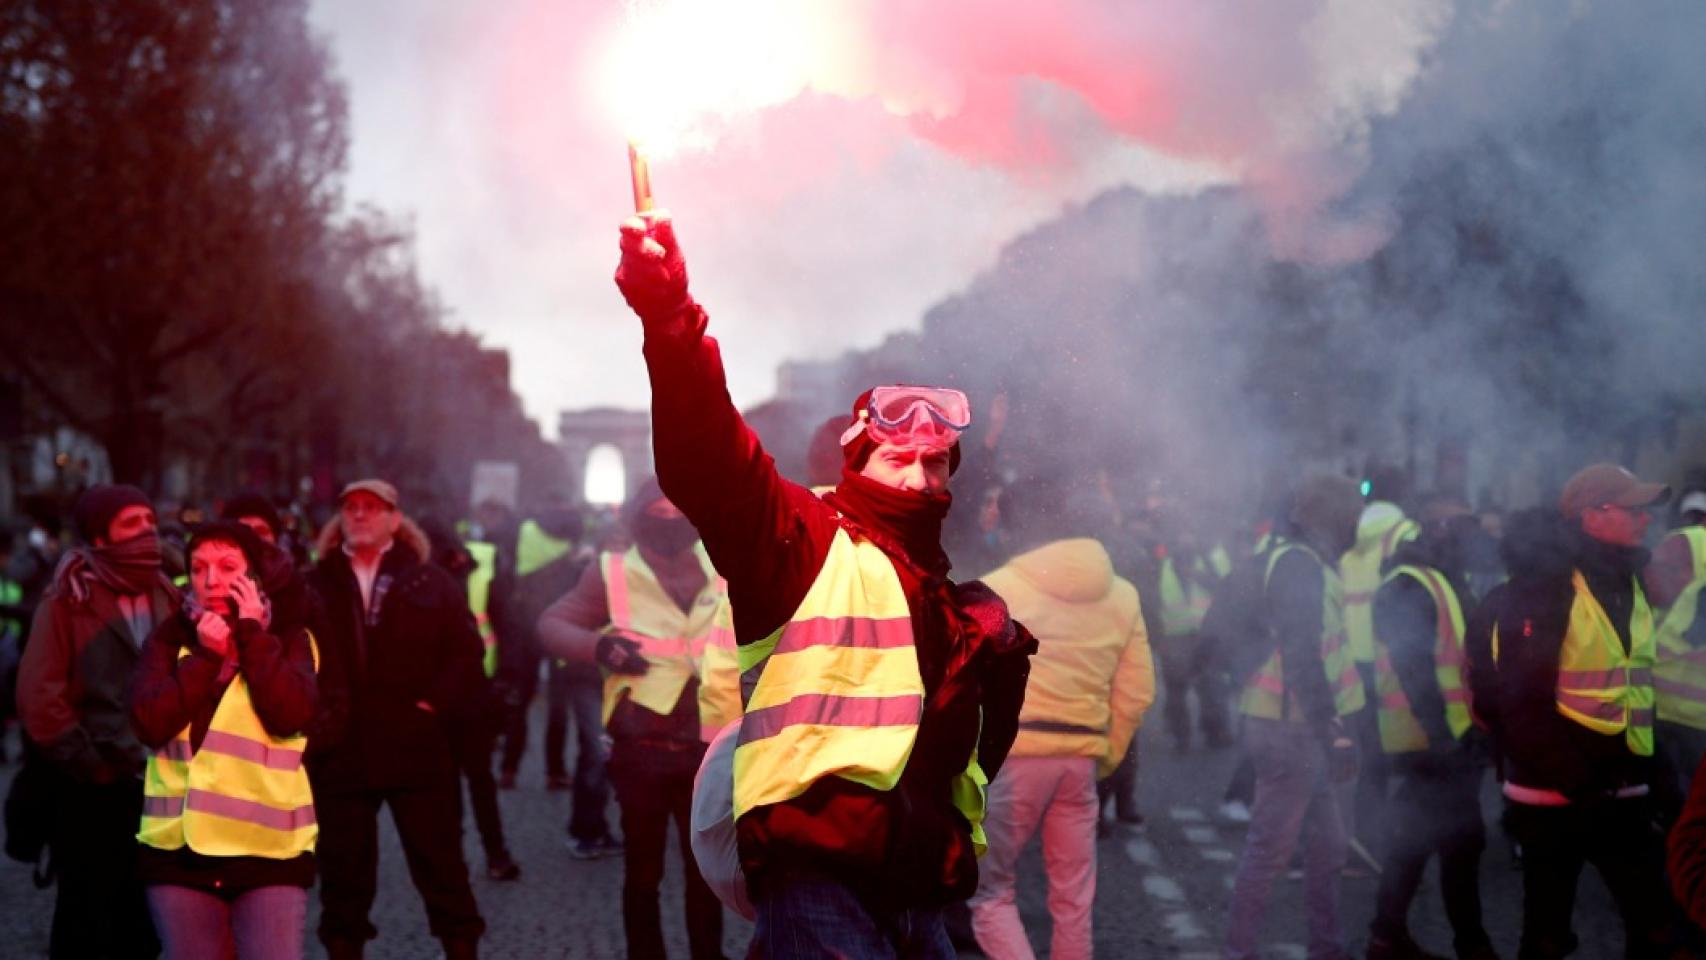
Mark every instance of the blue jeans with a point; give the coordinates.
(807, 916)
(265, 923)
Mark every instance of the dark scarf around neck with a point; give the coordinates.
(129, 568)
(900, 521)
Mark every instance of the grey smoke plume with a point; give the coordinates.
(1536, 302)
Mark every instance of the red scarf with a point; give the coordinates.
(902, 522)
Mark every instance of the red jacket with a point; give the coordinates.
(768, 538)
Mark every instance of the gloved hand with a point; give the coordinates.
(620, 655)
(652, 274)
(990, 611)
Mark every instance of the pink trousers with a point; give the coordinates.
(1057, 794)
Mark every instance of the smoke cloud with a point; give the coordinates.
(1352, 230)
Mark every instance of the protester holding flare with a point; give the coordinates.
(880, 695)
(221, 696)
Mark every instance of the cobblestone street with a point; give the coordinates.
(1162, 888)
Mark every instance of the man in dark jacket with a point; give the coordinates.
(1294, 709)
(1568, 655)
(837, 866)
(1424, 717)
(640, 627)
(72, 685)
(401, 661)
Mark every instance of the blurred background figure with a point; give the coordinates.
(1092, 679)
(107, 595)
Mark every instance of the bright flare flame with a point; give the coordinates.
(683, 69)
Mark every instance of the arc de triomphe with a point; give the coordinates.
(579, 432)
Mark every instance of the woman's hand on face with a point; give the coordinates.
(248, 597)
(214, 632)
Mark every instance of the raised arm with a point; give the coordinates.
(760, 530)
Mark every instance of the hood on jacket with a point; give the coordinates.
(409, 535)
(1074, 571)
(1378, 519)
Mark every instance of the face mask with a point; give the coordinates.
(664, 535)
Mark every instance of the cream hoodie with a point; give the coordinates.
(1092, 677)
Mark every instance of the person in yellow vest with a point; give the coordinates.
(1186, 579)
(221, 697)
(1294, 708)
(646, 615)
(1437, 757)
(1381, 530)
(1571, 644)
(1092, 679)
(880, 695)
(1673, 580)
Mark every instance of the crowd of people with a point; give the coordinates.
(213, 722)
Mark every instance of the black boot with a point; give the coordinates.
(461, 949)
(344, 949)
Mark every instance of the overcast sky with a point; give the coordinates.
(824, 221)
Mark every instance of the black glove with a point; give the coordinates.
(620, 655)
(990, 611)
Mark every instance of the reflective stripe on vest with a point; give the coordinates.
(243, 793)
(1400, 732)
(1600, 686)
(1265, 694)
(485, 557)
(719, 675)
(1183, 604)
(671, 639)
(1679, 676)
(836, 691)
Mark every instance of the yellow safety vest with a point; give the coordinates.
(485, 557)
(719, 677)
(536, 549)
(1679, 676)
(1600, 686)
(671, 639)
(836, 692)
(1265, 695)
(1400, 732)
(243, 794)
(1360, 567)
(1183, 605)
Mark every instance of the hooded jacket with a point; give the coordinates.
(1515, 693)
(1092, 677)
(769, 539)
(393, 679)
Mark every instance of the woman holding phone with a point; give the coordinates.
(221, 697)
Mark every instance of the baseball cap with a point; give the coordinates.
(378, 488)
(1607, 484)
(1693, 503)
